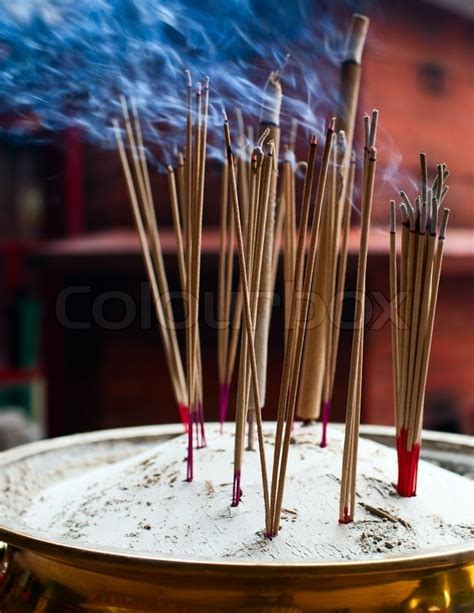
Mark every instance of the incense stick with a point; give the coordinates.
(421, 259)
(177, 389)
(299, 312)
(316, 371)
(393, 310)
(248, 324)
(353, 409)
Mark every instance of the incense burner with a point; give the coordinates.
(38, 572)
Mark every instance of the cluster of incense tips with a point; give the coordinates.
(422, 248)
(137, 177)
(322, 342)
(186, 194)
(354, 394)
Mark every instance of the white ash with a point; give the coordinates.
(143, 504)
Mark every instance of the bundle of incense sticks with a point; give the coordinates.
(137, 177)
(354, 394)
(303, 279)
(322, 342)
(422, 248)
(187, 208)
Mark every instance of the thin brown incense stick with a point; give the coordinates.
(256, 270)
(288, 201)
(223, 331)
(148, 261)
(394, 311)
(402, 325)
(257, 160)
(269, 126)
(177, 226)
(410, 268)
(342, 267)
(182, 191)
(430, 327)
(420, 238)
(147, 206)
(247, 317)
(296, 333)
(201, 124)
(422, 328)
(349, 463)
(333, 271)
(255, 243)
(289, 348)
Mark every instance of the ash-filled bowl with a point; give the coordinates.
(97, 577)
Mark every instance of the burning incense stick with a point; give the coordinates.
(316, 372)
(421, 261)
(270, 131)
(349, 462)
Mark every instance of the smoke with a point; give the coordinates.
(67, 61)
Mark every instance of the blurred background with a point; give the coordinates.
(79, 346)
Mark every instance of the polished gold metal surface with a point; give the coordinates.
(37, 574)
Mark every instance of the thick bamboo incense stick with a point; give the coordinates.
(317, 346)
(269, 131)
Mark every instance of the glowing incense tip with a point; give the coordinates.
(332, 124)
(314, 140)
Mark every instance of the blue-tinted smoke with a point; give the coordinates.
(67, 61)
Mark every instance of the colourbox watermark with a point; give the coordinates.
(116, 310)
